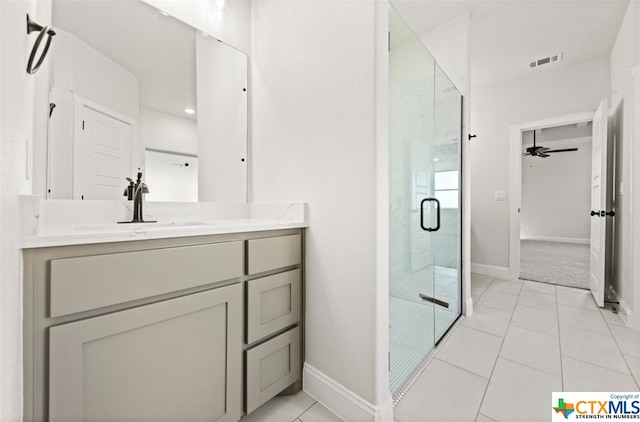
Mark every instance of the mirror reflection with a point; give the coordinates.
(134, 88)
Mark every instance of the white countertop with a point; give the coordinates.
(63, 235)
(61, 222)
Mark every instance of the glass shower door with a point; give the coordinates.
(447, 241)
(424, 138)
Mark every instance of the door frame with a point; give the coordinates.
(515, 175)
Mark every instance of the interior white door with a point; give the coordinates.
(598, 204)
(102, 155)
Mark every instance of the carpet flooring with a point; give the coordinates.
(565, 264)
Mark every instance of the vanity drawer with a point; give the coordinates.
(271, 367)
(273, 303)
(90, 282)
(273, 252)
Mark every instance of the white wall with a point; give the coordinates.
(493, 108)
(166, 132)
(449, 45)
(80, 68)
(556, 193)
(314, 141)
(17, 129)
(625, 53)
(171, 177)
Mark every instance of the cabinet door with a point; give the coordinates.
(174, 360)
(271, 367)
(273, 303)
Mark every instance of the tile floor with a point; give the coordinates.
(524, 341)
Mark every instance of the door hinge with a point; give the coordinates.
(83, 125)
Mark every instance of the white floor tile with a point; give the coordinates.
(582, 318)
(576, 299)
(475, 277)
(628, 340)
(498, 300)
(479, 287)
(489, 320)
(281, 408)
(483, 418)
(537, 300)
(470, 349)
(436, 395)
(591, 347)
(541, 320)
(511, 287)
(582, 376)
(319, 413)
(514, 383)
(610, 317)
(634, 365)
(530, 348)
(575, 290)
(545, 288)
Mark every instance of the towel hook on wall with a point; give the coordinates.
(43, 30)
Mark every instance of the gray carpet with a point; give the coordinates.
(566, 264)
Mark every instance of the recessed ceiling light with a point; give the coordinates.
(189, 111)
(220, 10)
(436, 159)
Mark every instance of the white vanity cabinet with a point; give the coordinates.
(163, 329)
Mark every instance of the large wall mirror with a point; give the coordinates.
(132, 87)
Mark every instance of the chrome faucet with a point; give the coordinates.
(134, 192)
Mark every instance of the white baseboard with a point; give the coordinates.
(502, 272)
(556, 239)
(626, 313)
(342, 401)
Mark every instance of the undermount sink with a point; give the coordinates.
(123, 227)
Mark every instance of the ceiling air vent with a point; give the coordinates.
(546, 60)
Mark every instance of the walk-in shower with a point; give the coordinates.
(425, 114)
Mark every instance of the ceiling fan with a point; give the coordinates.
(536, 151)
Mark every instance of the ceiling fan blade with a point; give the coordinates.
(543, 155)
(562, 150)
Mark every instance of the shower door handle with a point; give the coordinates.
(437, 227)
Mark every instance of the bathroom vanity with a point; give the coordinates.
(182, 327)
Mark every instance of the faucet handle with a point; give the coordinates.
(144, 188)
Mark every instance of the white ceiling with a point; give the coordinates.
(506, 35)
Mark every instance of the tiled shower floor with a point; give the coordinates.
(414, 324)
